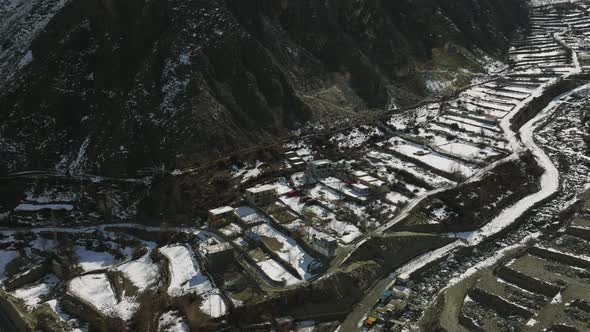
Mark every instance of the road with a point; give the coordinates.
(549, 184)
(519, 143)
(355, 318)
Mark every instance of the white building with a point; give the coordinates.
(220, 216)
(359, 174)
(360, 189)
(261, 195)
(374, 183)
(326, 247)
(321, 168)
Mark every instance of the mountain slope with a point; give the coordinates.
(111, 86)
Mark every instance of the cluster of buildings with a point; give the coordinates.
(359, 184)
(366, 183)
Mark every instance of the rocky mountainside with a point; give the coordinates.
(111, 86)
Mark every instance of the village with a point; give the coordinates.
(444, 170)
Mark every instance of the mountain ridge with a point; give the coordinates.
(112, 87)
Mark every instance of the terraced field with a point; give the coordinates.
(542, 60)
(463, 197)
(543, 287)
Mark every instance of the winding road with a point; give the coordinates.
(549, 185)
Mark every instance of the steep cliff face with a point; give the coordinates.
(112, 86)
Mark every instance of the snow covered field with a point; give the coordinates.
(247, 172)
(433, 159)
(440, 141)
(294, 203)
(249, 215)
(356, 137)
(277, 272)
(187, 277)
(172, 321)
(33, 295)
(346, 232)
(419, 172)
(185, 273)
(468, 151)
(143, 273)
(92, 260)
(289, 250)
(96, 290)
(549, 180)
(396, 198)
(473, 128)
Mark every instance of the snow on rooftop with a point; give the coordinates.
(217, 247)
(262, 188)
(282, 186)
(359, 173)
(321, 162)
(249, 215)
(335, 185)
(433, 159)
(298, 179)
(221, 210)
(368, 178)
(231, 230)
(293, 202)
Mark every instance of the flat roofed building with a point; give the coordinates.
(220, 216)
(367, 179)
(380, 186)
(261, 195)
(321, 168)
(360, 189)
(359, 174)
(218, 255)
(326, 247)
(374, 183)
